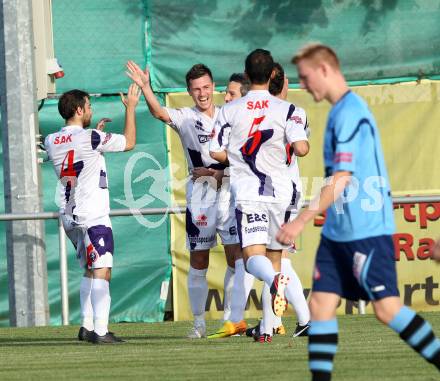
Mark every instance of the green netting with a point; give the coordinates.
(142, 261)
(384, 39)
(94, 39)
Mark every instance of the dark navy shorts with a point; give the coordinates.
(363, 269)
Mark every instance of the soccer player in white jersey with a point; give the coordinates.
(238, 282)
(278, 87)
(251, 133)
(77, 156)
(209, 207)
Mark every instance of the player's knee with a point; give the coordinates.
(314, 305)
(103, 273)
(199, 261)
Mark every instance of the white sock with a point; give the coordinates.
(294, 292)
(266, 324)
(277, 322)
(243, 282)
(227, 287)
(261, 267)
(101, 300)
(198, 292)
(85, 289)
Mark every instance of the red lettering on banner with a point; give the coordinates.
(425, 248)
(407, 212)
(425, 216)
(403, 242)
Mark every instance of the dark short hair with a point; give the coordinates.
(70, 101)
(243, 81)
(276, 83)
(258, 66)
(197, 71)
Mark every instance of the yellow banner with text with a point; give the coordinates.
(407, 116)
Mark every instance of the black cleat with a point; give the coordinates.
(301, 330)
(108, 338)
(85, 335)
(250, 332)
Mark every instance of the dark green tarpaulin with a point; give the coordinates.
(383, 39)
(142, 261)
(94, 39)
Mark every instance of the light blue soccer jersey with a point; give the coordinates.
(352, 144)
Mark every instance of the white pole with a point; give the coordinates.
(63, 275)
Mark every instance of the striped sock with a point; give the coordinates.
(323, 340)
(417, 333)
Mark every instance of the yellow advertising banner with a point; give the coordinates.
(408, 116)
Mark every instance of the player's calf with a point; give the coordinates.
(418, 334)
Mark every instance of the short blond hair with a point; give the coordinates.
(317, 53)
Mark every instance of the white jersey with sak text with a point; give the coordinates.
(255, 131)
(77, 155)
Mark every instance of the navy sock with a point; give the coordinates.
(418, 334)
(323, 340)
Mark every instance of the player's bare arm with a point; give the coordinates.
(201, 172)
(142, 79)
(328, 195)
(217, 174)
(301, 148)
(130, 102)
(221, 157)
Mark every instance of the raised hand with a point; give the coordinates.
(101, 124)
(141, 78)
(132, 98)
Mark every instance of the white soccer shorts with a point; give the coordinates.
(259, 222)
(92, 239)
(209, 212)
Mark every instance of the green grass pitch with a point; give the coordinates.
(367, 351)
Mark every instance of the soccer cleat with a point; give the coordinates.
(197, 332)
(301, 330)
(279, 330)
(85, 335)
(229, 329)
(250, 332)
(279, 301)
(108, 338)
(263, 338)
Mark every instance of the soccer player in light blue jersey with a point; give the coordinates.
(355, 258)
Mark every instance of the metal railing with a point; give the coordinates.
(62, 241)
(145, 211)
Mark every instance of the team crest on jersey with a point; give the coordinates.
(204, 138)
(108, 136)
(199, 125)
(202, 220)
(297, 119)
